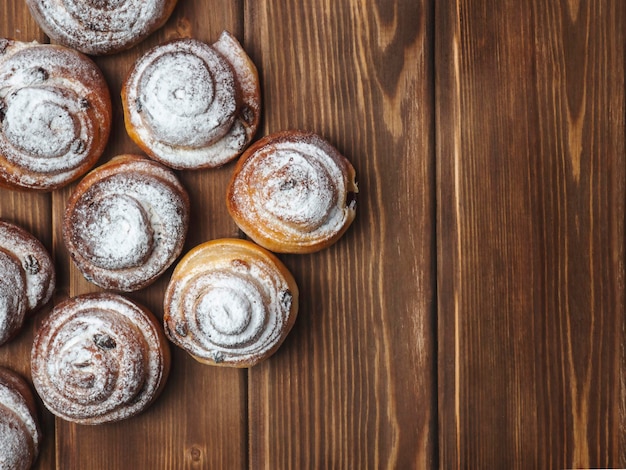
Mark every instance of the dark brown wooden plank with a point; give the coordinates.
(353, 385)
(530, 145)
(33, 212)
(200, 420)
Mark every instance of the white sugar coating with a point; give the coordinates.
(99, 26)
(234, 54)
(181, 101)
(12, 296)
(85, 374)
(296, 189)
(47, 127)
(225, 310)
(188, 100)
(14, 401)
(228, 310)
(97, 359)
(14, 445)
(154, 229)
(36, 124)
(118, 234)
(35, 261)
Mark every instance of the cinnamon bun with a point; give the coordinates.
(55, 115)
(293, 192)
(27, 278)
(100, 26)
(189, 105)
(126, 223)
(230, 303)
(99, 358)
(19, 424)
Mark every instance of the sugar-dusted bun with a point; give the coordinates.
(99, 358)
(293, 192)
(55, 115)
(189, 105)
(100, 26)
(230, 303)
(19, 425)
(126, 223)
(27, 278)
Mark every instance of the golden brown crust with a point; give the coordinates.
(126, 223)
(293, 192)
(230, 303)
(27, 278)
(189, 105)
(55, 111)
(19, 423)
(99, 358)
(119, 26)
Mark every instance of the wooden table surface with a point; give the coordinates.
(473, 315)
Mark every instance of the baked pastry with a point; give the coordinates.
(126, 223)
(189, 105)
(55, 115)
(99, 358)
(230, 303)
(19, 424)
(293, 192)
(27, 278)
(100, 26)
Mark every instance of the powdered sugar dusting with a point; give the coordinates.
(36, 125)
(116, 233)
(186, 102)
(12, 296)
(232, 51)
(11, 399)
(18, 426)
(34, 260)
(229, 304)
(186, 99)
(14, 445)
(99, 26)
(127, 227)
(98, 358)
(48, 129)
(294, 188)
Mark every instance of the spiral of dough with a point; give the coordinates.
(19, 426)
(230, 302)
(27, 277)
(99, 358)
(126, 223)
(55, 115)
(190, 105)
(293, 192)
(100, 26)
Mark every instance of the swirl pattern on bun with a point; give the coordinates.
(55, 115)
(100, 26)
(126, 223)
(189, 105)
(230, 303)
(27, 278)
(293, 192)
(99, 358)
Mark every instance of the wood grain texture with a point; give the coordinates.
(473, 315)
(353, 385)
(530, 145)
